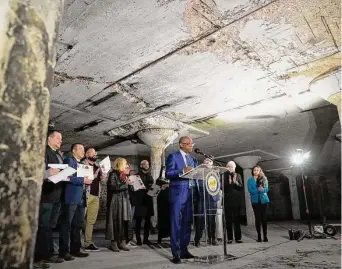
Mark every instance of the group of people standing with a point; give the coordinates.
(76, 203)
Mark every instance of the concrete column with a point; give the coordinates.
(247, 163)
(291, 176)
(158, 140)
(28, 31)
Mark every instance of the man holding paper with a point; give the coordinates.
(72, 216)
(93, 202)
(50, 203)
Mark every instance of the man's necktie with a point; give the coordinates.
(189, 162)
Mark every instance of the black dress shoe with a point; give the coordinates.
(67, 257)
(238, 241)
(230, 241)
(197, 244)
(80, 254)
(176, 260)
(187, 255)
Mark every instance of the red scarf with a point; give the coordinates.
(124, 175)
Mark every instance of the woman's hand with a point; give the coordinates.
(260, 188)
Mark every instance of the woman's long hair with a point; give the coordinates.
(261, 179)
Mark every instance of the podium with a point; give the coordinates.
(206, 183)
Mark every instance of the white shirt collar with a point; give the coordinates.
(183, 153)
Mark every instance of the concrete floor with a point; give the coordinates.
(279, 252)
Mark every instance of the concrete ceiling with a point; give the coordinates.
(238, 75)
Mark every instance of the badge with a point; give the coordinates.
(212, 183)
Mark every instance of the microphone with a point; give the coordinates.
(198, 151)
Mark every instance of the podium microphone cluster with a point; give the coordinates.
(198, 151)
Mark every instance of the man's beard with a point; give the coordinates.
(92, 159)
(145, 169)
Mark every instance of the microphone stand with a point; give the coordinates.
(223, 209)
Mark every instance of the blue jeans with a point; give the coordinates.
(72, 222)
(48, 217)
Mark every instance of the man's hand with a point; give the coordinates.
(53, 171)
(87, 181)
(187, 169)
(260, 188)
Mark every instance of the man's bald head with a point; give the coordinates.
(144, 165)
(185, 143)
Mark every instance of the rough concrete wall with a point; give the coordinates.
(279, 194)
(323, 195)
(27, 57)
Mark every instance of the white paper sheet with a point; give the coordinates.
(137, 182)
(84, 170)
(154, 191)
(105, 165)
(62, 176)
(60, 166)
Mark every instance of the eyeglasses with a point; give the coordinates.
(189, 144)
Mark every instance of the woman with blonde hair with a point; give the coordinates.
(258, 189)
(118, 205)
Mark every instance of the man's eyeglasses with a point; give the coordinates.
(188, 144)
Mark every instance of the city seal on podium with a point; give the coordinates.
(212, 183)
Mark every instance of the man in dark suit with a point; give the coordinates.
(178, 163)
(73, 209)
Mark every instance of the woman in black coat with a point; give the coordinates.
(118, 205)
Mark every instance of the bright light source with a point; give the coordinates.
(300, 157)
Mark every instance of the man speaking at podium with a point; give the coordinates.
(177, 164)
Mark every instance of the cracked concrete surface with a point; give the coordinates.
(278, 253)
(211, 63)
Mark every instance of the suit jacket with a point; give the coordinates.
(74, 187)
(174, 167)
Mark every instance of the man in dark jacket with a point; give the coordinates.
(143, 203)
(49, 204)
(73, 209)
(232, 202)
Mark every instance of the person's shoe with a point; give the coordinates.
(265, 238)
(54, 259)
(91, 248)
(67, 257)
(41, 265)
(219, 240)
(238, 241)
(187, 255)
(176, 260)
(123, 247)
(213, 242)
(197, 244)
(114, 247)
(80, 254)
(230, 241)
(131, 244)
(259, 238)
